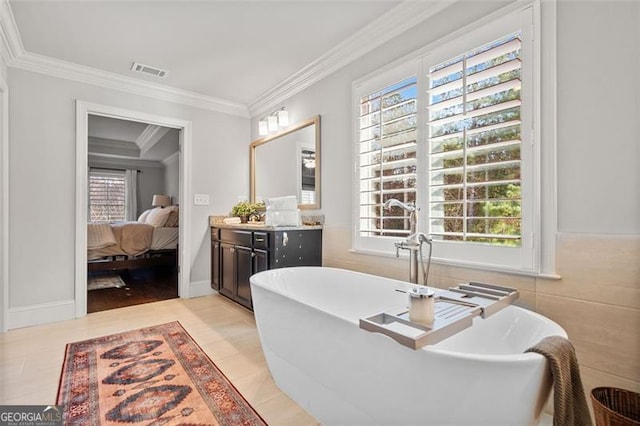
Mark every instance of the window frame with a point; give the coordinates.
(529, 258)
(105, 173)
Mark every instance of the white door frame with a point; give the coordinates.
(83, 110)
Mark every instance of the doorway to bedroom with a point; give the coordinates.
(139, 238)
(133, 212)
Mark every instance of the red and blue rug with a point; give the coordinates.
(153, 376)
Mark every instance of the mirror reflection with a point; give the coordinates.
(288, 163)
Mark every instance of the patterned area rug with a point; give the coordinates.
(98, 282)
(151, 376)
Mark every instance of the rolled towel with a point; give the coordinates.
(232, 220)
(289, 202)
(569, 402)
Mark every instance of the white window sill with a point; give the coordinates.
(468, 265)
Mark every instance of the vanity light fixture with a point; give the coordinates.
(283, 118)
(273, 122)
(263, 128)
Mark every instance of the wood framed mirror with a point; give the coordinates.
(288, 163)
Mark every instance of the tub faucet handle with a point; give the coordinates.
(399, 245)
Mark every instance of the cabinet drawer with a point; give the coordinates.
(261, 240)
(241, 238)
(215, 234)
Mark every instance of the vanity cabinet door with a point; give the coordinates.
(236, 254)
(215, 265)
(297, 248)
(227, 272)
(244, 264)
(260, 261)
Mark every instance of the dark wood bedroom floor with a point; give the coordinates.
(142, 286)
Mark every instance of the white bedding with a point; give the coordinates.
(164, 238)
(131, 238)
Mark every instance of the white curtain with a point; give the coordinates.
(131, 199)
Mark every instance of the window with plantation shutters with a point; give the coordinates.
(474, 139)
(107, 194)
(453, 130)
(387, 154)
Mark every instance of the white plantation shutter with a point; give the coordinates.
(387, 158)
(107, 194)
(474, 145)
(453, 129)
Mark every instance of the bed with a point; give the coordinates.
(150, 241)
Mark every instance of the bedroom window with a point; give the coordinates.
(452, 131)
(107, 195)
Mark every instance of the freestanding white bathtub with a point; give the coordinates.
(308, 318)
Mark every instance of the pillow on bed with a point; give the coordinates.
(158, 217)
(143, 216)
(174, 219)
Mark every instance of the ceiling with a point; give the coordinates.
(229, 50)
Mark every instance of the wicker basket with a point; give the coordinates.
(615, 407)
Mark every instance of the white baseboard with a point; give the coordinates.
(201, 288)
(26, 316)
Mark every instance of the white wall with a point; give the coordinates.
(598, 117)
(42, 179)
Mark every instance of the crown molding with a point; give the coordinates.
(398, 20)
(10, 41)
(100, 146)
(172, 158)
(406, 15)
(102, 160)
(150, 136)
(83, 74)
(14, 55)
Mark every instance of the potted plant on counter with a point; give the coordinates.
(245, 209)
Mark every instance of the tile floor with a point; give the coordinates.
(31, 358)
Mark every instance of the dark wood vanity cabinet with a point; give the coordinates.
(237, 253)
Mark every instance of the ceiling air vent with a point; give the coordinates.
(147, 69)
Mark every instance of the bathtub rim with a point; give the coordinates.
(513, 357)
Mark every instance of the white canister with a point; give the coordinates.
(421, 305)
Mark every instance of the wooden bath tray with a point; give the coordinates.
(454, 309)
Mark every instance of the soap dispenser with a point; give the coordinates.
(421, 305)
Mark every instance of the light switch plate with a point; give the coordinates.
(201, 199)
